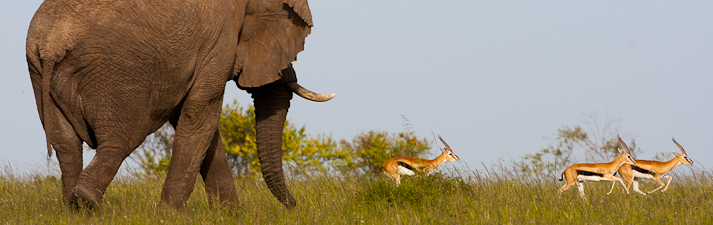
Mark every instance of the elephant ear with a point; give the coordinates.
(272, 34)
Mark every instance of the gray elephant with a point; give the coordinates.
(108, 73)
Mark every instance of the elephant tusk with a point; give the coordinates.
(309, 95)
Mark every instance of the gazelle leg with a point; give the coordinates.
(565, 187)
(626, 188)
(628, 184)
(613, 183)
(395, 176)
(580, 187)
(660, 183)
(668, 182)
(636, 187)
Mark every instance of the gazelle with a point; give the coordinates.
(578, 173)
(646, 169)
(397, 166)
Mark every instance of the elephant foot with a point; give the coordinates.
(290, 203)
(168, 206)
(83, 197)
(230, 205)
(176, 205)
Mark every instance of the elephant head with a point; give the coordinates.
(272, 34)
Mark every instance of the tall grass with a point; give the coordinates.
(493, 195)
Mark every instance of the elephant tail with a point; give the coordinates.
(47, 71)
(50, 36)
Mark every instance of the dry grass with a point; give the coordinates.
(461, 197)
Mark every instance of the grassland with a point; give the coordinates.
(458, 197)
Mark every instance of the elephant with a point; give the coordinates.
(109, 73)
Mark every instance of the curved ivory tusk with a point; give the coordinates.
(309, 95)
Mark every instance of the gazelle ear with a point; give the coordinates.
(675, 153)
(443, 150)
(620, 151)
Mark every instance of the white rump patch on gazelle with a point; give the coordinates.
(397, 166)
(405, 171)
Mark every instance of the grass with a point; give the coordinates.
(459, 197)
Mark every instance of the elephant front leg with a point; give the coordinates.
(216, 173)
(271, 105)
(195, 132)
(188, 153)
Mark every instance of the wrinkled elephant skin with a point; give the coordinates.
(109, 73)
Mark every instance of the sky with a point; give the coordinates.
(496, 79)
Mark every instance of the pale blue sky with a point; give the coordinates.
(494, 78)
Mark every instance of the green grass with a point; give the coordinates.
(472, 197)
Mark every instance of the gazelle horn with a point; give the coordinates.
(309, 95)
(444, 143)
(623, 144)
(679, 146)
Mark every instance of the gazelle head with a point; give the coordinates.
(683, 158)
(627, 155)
(448, 151)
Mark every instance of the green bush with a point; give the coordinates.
(416, 191)
(370, 150)
(303, 154)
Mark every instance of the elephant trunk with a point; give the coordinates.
(271, 105)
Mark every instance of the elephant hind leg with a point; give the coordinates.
(68, 148)
(114, 144)
(217, 175)
(97, 176)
